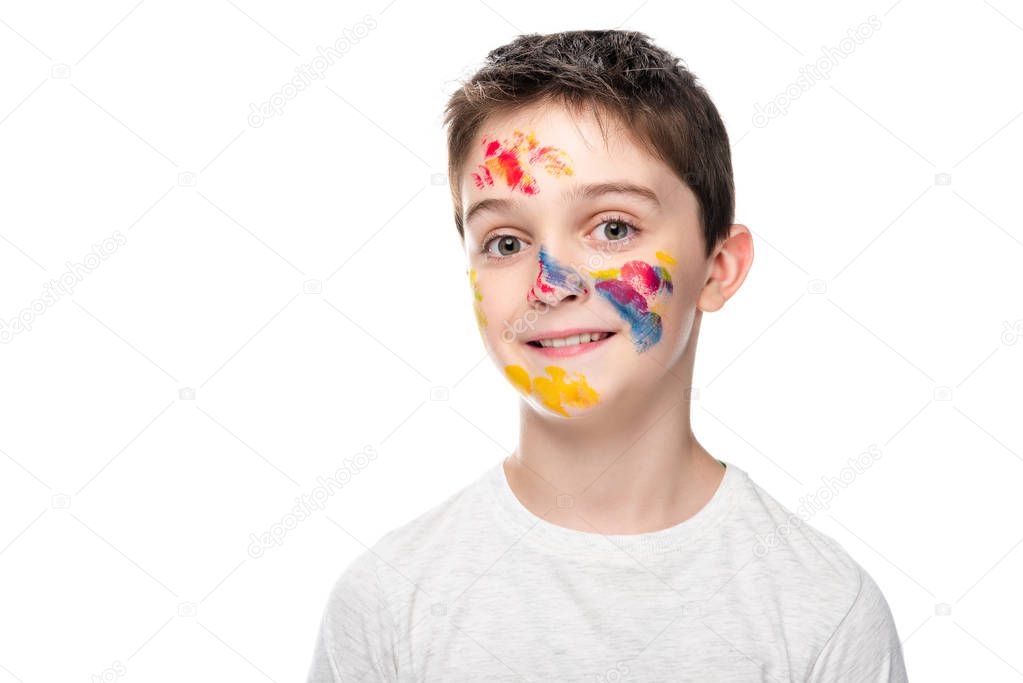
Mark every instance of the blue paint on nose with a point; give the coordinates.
(557, 275)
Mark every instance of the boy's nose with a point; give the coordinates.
(555, 281)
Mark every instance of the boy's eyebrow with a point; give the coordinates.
(578, 192)
(615, 187)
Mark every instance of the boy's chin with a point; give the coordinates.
(561, 392)
(614, 404)
(606, 390)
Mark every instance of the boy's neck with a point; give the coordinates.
(625, 476)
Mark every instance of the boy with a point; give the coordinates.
(592, 185)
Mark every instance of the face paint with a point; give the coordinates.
(553, 276)
(664, 257)
(556, 391)
(477, 298)
(509, 160)
(630, 290)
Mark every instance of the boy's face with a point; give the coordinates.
(556, 243)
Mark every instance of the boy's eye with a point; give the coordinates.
(613, 230)
(506, 245)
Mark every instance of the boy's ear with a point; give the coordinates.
(728, 267)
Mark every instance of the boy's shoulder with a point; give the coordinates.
(785, 548)
(439, 537)
(831, 598)
(446, 522)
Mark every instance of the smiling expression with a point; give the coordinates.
(586, 236)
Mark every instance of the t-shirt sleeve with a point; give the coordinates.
(865, 645)
(356, 634)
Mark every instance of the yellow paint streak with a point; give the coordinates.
(518, 377)
(665, 257)
(477, 295)
(609, 274)
(556, 162)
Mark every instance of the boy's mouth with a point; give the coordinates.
(569, 342)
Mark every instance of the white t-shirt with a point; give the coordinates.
(478, 588)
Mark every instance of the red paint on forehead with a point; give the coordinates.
(539, 153)
(514, 159)
(484, 179)
(510, 167)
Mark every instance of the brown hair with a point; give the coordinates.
(617, 73)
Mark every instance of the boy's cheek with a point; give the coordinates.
(498, 321)
(494, 299)
(639, 291)
(477, 300)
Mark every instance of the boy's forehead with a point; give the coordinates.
(555, 150)
(555, 126)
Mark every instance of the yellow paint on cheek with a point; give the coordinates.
(518, 377)
(557, 391)
(608, 274)
(477, 295)
(665, 257)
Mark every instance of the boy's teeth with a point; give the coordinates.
(574, 339)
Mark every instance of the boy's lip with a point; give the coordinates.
(574, 349)
(568, 332)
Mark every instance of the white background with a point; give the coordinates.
(882, 311)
